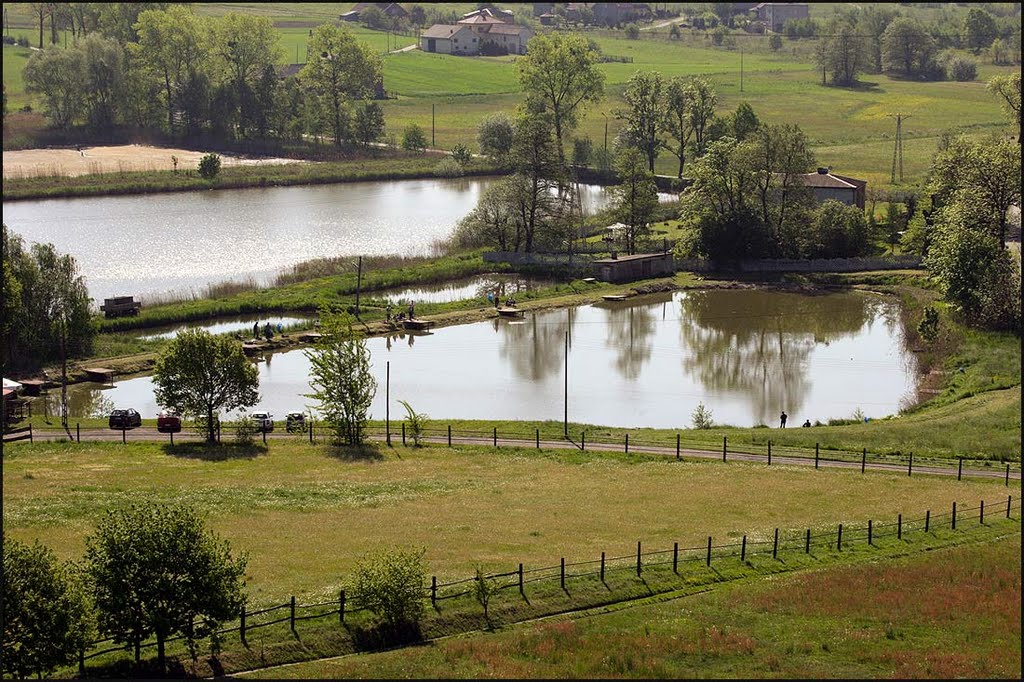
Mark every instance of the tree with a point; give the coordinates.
(702, 101)
(461, 154)
(836, 231)
(675, 119)
(414, 139)
(636, 197)
(979, 29)
(744, 122)
(1007, 89)
(492, 222)
(209, 166)
(538, 194)
(248, 46)
(841, 53)
(103, 87)
(778, 155)
(483, 590)
(417, 16)
(775, 42)
(582, 151)
(369, 123)
(58, 76)
(417, 422)
(907, 49)
(632, 31)
(871, 23)
(341, 69)
(560, 77)
(495, 133)
(155, 570)
(200, 374)
(390, 585)
(643, 97)
(674, 33)
(47, 616)
(341, 379)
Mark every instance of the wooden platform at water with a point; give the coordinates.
(100, 374)
(506, 311)
(615, 297)
(417, 324)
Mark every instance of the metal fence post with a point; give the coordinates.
(981, 514)
(869, 532)
(292, 612)
(311, 433)
(341, 606)
(627, 444)
(433, 591)
(960, 469)
(520, 578)
(171, 434)
(639, 568)
(449, 435)
(78, 432)
(1009, 503)
(403, 433)
(677, 446)
(743, 549)
(495, 436)
(899, 526)
(725, 446)
(863, 459)
(583, 440)
(807, 543)
(927, 519)
(910, 464)
(815, 455)
(1007, 475)
(769, 453)
(775, 546)
(563, 573)
(264, 436)
(124, 440)
(536, 434)
(709, 551)
(675, 557)
(602, 566)
(839, 539)
(241, 629)
(954, 516)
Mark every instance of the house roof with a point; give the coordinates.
(442, 31)
(509, 29)
(828, 181)
(480, 19)
(11, 384)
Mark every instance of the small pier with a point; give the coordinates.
(100, 374)
(508, 311)
(418, 325)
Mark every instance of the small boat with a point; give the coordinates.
(415, 324)
(508, 311)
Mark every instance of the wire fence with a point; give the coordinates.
(679, 447)
(781, 542)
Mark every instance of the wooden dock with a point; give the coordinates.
(310, 337)
(615, 297)
(252, 348)
(506, 311)
(32, 386)
(417, 324)
(100, 374)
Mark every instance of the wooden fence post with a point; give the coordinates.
(78, 432)
(954, 516)
(241, 629)
(815, 455)
(709, 551)
(743, 549)
(927, 519)
(123, 436)
(293, 613)
(899, 526)
(981, 514)
(403, 433)
(536, 435)
(449, 435)
(807, 543)
(563, 574)
(960, 469)
(30, 438)
(677, 446)
(341, 606)
(311, 433)
(675, 557)
(1007, 476)
(725, 446)
(775, 547)
(863, 459)
(521, 579)
(870, 532)
(602, 566)
(495, 436)
(1009, 503)
(583, 440)
(910, 464)
(769, 453)
(839, 539)
(433, 591)
(627, 444)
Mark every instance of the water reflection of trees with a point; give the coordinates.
(536, 347)
(630, 331)
(83, 402)
(761, 347)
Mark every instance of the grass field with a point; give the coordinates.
(305, 514)
(952, 613)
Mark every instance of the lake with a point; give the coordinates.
(182, 242)
(746, 354)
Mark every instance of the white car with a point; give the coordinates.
(263, 421)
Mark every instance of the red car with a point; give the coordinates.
(168, 422)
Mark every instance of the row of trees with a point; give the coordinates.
(187, 74)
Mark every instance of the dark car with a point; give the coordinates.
(168, 422)
(125, 419)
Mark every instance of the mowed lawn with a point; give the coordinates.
(306, 514)
(951, 613)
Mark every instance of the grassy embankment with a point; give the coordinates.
(468, 507)
(953, 613)
(393, 166)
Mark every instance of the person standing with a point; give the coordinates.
(782, 421)
(256, 329)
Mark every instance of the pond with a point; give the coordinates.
(465, 288)
(182, 242)
(227, 325)
(746, 354)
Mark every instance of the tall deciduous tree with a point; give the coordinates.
(341, 379)
(907, 49)
(156, 570)
(841, 53)
(1007, 89)
(249, 46)
(979, 29)
(643, 95)
(560, 78)
(340, 69)
(47, 616)
(200, 374)
(636, 196)
(779, 155)
(495, 133)
(872, 21)
(675, 119)
(58, 76)
(369, 125)
(702, 102)
(104, 81)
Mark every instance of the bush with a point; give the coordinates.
(245, 430)
(209, 166)
(390, 585)
(701, 417)
(928, 327)
(461, 154)
(632, 31)
(9, 40)
(414, 139)
(448, 168)
(417, 422)
(775, 42)
(22, 41)
(962, 69)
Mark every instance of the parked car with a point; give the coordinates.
(125, 419)
(168, 422)
(262, 421)
(295, 421)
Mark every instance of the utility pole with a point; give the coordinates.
(897, 150)
(741, 66)
(566, 421)
(359, 283)
(433, 139)
(387, 403)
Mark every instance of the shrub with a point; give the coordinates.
(245, 430)
(483, 590)
(775, 42)
(632, 31)
(701, 417)
(448, 168)
(928, 327)
(962, 69)
(414, 139)
(461, 154)
(209, 166)
(417, 422)
(22, 41)
(390, 585)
